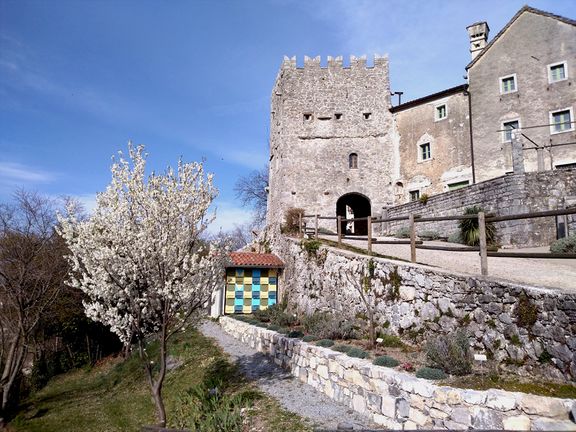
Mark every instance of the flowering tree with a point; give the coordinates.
(140, 259)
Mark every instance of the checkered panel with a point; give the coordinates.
(248, 290)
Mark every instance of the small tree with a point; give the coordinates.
(140, 260)
(251, 190)
(470, 229)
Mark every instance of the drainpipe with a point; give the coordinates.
(471, 136)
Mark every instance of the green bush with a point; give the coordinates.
(356, 352)
(429, 235)
(391, 341)
(451, 353)
(295, 334)
(431, 373)
(283, 330)
(470, 231)
(564, 245)
(326, 343)
(386, 361)
(403, 232)
(277, 315)
(309, 338)
(261, 324)
(342, 348)
(311, 246)
(273, 327)
(328, 326)
(526, 311)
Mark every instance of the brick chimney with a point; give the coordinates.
(478, 33)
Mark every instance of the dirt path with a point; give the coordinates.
(292, 394)
(548, 273)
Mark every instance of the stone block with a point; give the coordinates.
(402, 408)
(500, 401)
(407, 293)
(543, 406)
(388, 407)
(418, 417)
(544, 424)
(461, 415)
(359, 404)
(517, 423)
(474, 397)
(483, 418)
(322, 370)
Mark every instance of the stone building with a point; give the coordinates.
(339, 147)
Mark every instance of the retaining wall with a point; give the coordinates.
(510, 194)
(398, 400)
(527, 330)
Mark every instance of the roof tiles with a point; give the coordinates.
(252, 259)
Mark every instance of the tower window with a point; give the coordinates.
(557, 72)
(508, 84)
(338, 116)
(367, 115)
(353, 161)
(507, 128)
(440, 112)
(307, 117)
(414, 195)
(425, 153)
(561, 121)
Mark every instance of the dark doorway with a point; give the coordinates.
(354, 205)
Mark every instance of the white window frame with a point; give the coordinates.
(551, 120)
(410, 192)
(501, 82)
(436, 118)
(503, 128)
(420, 158)
(549, 69)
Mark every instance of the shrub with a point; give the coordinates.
(326, 343)
(423, 199)
(283, 330)
(470, 231)
(342, 348)
(386, 361)
(273, 327)
(295, 334)
(356, 352)
(309, 338)
(311, 246)
(526, 311)
(276, 314)
(564, 245)
(292, 220)
(261, 324)
(429, 235)
(431, 373)
(403, 232)
(263, 315)
(456, 237)
(328, 326)
(451, 353)
(391, 341)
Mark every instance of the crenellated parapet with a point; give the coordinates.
(315, 63)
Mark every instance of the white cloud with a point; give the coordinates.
(16, 174)
(88, 201)
(227, 216)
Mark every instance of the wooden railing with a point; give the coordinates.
(413, 219)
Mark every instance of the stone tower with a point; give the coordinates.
(331, 149)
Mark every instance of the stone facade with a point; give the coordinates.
(320, 117)
(337, 144)
(398, 400)
(442, 121)
(506, 195)
(525, 49)
(426, 301)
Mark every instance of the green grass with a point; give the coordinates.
(115, 396)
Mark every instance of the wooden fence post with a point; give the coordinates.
(300, 223)
(412, 238)
(316, 226)
(369, 224)
(483, 251)
(339, 230)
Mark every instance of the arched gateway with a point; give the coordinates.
(354, 205)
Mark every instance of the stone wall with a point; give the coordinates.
(510, 194)
(419, 302)
(398, 400)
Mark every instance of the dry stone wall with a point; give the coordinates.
(510, 194)
(530, 330)
(398, 400)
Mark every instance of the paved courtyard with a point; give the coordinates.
(549, 273)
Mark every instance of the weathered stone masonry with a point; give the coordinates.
(432, 301)
(397, 400)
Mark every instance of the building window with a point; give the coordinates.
(561, 121)
(557, 72)
(507, 128)
(307, 117)
(338, 116)
(353, 161)
(414, 195)
(425, 151)
(367, 115)
(440, 112)
(458, 185)
(508, 84)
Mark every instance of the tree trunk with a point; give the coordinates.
(11, 370)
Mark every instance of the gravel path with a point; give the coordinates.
(549, 273)
(292, 394)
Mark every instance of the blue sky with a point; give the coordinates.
(78, 79)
